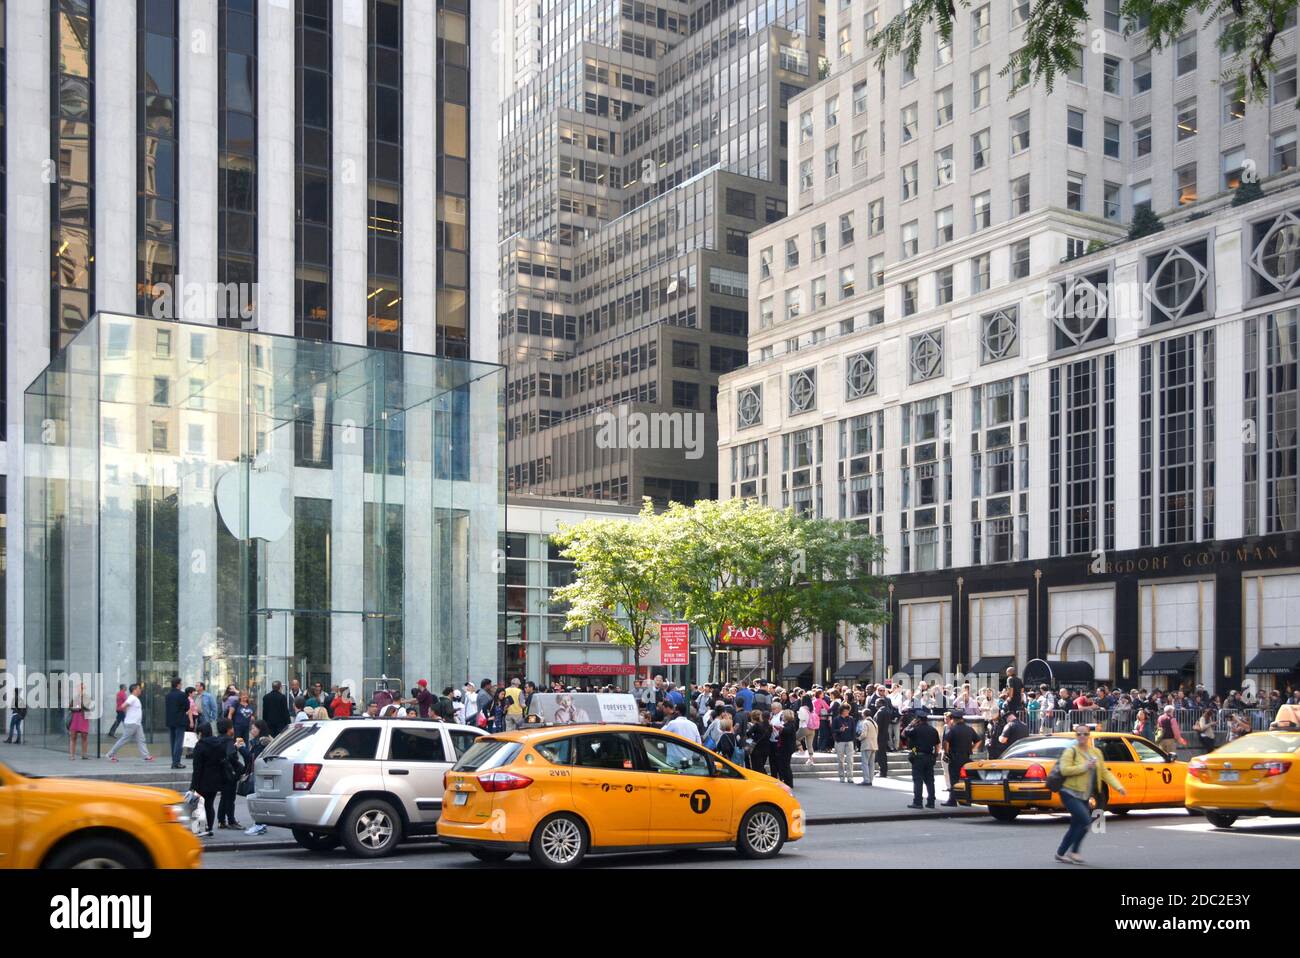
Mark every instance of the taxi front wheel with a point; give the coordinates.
(559, 842)
(761, 833)
(96, 853)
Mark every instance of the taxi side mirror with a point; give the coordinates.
(1170, 757)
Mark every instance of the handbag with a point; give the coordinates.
(1056, 778)
(190, 740)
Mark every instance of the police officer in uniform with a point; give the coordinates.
(922, 741)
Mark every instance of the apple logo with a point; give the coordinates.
(269, 515)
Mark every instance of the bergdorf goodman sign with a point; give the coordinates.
(1201, 559)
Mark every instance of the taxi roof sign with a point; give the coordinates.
(583, 708)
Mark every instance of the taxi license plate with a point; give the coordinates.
(461, 798)
(993, 775)
(1230, 776)
(985, 793)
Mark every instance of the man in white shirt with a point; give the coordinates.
(132, 726)
(679, 724)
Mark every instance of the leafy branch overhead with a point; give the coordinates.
(1056, 30)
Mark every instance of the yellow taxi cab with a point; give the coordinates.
(75, 823)
(1016, 781)
(564, 792)
(1257, 774)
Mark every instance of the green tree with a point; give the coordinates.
(711, 555)
(1056, 29)
(815, 574)
(618, 579)
(1145, 223)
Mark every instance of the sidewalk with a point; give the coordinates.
(825, 802)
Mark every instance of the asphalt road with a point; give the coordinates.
(1142, 840)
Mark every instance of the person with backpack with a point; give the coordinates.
(728, 743)
(1078, 776)
(758, 735)
(1168, 735)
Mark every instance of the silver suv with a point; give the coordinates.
(364, 782)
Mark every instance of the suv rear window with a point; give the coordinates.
(355, 744)
(291, 742)
(487, 753)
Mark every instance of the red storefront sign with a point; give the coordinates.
(589, 668)
(675, 643)
(751, 637)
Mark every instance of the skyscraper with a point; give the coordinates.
(315, 181)
(641, 144)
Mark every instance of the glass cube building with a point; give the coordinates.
(234, 507)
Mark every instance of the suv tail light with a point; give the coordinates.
(304, 776)
(1036, 772)
(503, 781)
(1272, 768)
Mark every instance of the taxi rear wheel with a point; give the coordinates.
(1219, 820)
(315, 841)
(1003, 814)
(560, 841)
(761, 833)
(372, 829)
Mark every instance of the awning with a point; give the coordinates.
(1169, 663)
(920, 667)
(1069, 674)
(1275, 662)
(854, 669)
(800, 673)
(994, 665)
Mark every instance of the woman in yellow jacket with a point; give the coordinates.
(1084, 770)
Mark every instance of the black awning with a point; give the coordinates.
(1062, 673)
(1169, 663)
(798, 672)
(854, 669)
(994, 665)
(1275, 662)
(920, 667)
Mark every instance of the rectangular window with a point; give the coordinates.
(908, 176)
(832, 112)
(943, 286)
(860, 98)
(805, 126)
(860, 147)
(1020, 253)
(1074, 192)
(1020, 195)
(1284, 152)
(981, 211)
(944, 170)
(911, 240)
(1234, 102)
(943, 107)
(846, 282)
(1074, 128)
(1142, 74)
(832, 161)
(979, 26)
(1141, 196)
(979, 273)
(1110, 75)
(846, 230)
(979, 146)
(1284, 83)
(1142, 139)
(1111, 202)
(791, 253)
(1020, 133)
(1233, 162)
(908, 120)
(819, 241)
(1185, 184)
(876, 271)
(1110, 138)
(875, 217)
(1185, 120)
(909, 297)
(979, 87)
(943, 231)
(1185, 54)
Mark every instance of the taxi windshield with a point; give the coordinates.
(1272, 742)
(1038, 748)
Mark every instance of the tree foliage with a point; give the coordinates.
(715, 564)
(1056, 29)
